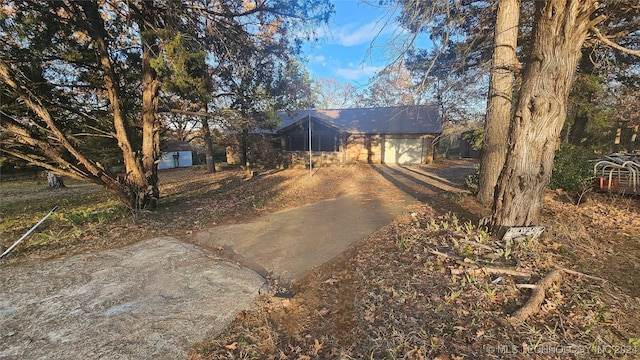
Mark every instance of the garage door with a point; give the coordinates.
(402, 150)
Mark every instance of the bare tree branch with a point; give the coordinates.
(612, 44)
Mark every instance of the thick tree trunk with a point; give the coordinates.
(208, 145)
(499, 102)
(150, 128)
(560, 29)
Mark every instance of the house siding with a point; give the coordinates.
(175, 159)
(366, 148)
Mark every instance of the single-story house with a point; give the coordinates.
(396, 135)
(175, 154)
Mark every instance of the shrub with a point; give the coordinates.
(572, 170)
(473, 178)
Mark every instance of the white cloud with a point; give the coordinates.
(355, 34)
(319, 59)
(355, 73)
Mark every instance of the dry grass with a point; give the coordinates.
(90, 219)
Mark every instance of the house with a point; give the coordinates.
(392, 135)
(175, 154)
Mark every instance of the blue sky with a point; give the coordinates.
(355, 44)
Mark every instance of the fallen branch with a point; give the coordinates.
(438, 253)
(537, 297)
(526, 286)
(491, 270)
(573, 272)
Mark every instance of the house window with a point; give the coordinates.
(323, 138)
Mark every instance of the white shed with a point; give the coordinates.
(175, 154)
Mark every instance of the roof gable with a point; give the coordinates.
(175, 145)
(419, 119)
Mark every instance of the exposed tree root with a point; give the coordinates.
(537, 297)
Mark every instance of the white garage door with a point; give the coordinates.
(402, 150)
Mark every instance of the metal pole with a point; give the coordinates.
(310, 166)
(55, 208)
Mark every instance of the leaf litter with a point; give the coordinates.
(433, 285)
(418, 288)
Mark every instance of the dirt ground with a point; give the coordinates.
(90, 219)
(417, 288)
(154, 298)
(432, 285)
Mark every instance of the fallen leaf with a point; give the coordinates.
(232, 346)
(331, 281)
(323, 311)
(317, 346)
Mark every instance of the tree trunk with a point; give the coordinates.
(560, 29)
(245, 148)
(150, 126)
(576, 133)
(499, 102)
(134, 180)
(581, 119)
(208, 145)
(54, 180)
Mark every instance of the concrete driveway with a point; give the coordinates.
(150, 300)
(289, 243)
(154, 299)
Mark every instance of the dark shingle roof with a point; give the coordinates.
(175, 145)
(419, 119)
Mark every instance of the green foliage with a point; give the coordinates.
(183, 70)
(572, 170)
(49, 56)
(474, 138)
(588, 120)
(472, 180)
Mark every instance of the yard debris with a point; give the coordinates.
(537, 297)
(418, 290)
(573, 272)
(491, 270)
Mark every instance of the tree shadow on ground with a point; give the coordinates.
(442, 194)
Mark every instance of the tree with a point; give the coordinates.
(335, 95)
(391, 86)
(504, 64)
(451, 72)
(585, 106)
(560, 30)
(81, 74)
(185, 74)
(62, 59)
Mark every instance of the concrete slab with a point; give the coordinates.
(150, 300)
(289, 243)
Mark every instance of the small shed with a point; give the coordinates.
(175, 154)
